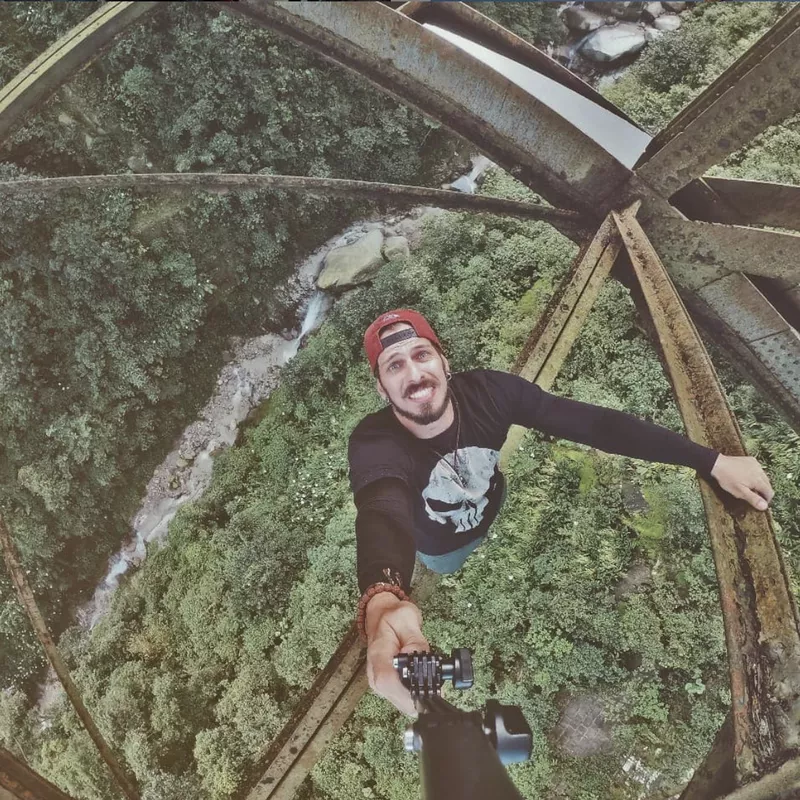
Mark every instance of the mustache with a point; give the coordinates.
(417, 386)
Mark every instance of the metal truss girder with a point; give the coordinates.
(62, 60)
(323, 710)
(701, 252)
(759, 326)
(759, 611)
(751, 367)
(698, 201)
(715, 776)
(782, 784)
(124, 782)
(744, 102)
(23, 783)
(466, 21)
(511, 127)
(776, 205)
(776, 34)
(559, 325)
(780, 353)
(743, 307)
(727, 201)
(570, 223)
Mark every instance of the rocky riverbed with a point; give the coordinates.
(246, 380)
(605, 35)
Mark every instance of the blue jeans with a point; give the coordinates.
(449, 562)
(446, 563)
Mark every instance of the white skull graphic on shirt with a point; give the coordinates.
(446, 500)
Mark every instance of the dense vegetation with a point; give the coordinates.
(117, 306)
(537, 23)
(209, 646)
(675, 68)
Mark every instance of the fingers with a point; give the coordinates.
(765, 490)
(383, 677)
(759, 492)
(755, 499)
(397, 630)
(764, 487)
(745, 478)
(759, 481)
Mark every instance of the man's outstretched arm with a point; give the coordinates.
(385, 553)
(624, 434)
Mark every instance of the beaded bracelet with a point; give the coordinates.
(376, 588)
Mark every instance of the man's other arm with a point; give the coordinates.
(617, 432)
(384, 539)
(385, 550)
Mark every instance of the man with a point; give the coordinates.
(426, 480)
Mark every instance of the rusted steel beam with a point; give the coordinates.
(28, 603)
(714, 779)
(699, 262)
(715, 776)
(701, 252)
(571, 223)
(759, 326)
(738, 202)
(783, 784)
(417, 67)
(745, 309)
(749, 365)
(757, 202)
(556, 330)
(758, 91)
(411, 7)
(23, 783)
(325, 707)
(698, 201)
(759, 612)
(471, 24)
(286, 764)
(758, 330)
(776, 34)
(64, 59)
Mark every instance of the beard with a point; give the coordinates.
(427, 413)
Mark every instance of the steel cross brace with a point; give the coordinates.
(759, 611)
(22, 782)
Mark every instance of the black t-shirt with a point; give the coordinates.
(436, 495)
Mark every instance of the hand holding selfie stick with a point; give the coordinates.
(463, 752)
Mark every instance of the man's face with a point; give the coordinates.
(412, 377)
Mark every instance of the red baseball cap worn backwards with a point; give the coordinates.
(419, 327)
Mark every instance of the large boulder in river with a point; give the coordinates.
(652, 11)
(354, 263)
(668, 22)
(396, 247)
(581, 19)
(610, 44)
